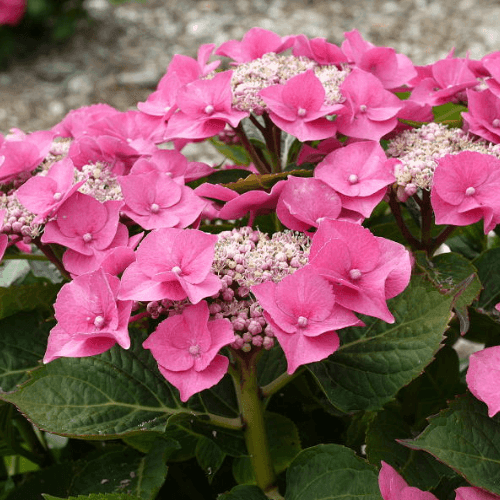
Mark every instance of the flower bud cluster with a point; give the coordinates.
(272, 69)
(100, 183)
(17, 222)
(418, 150)
(245, 257)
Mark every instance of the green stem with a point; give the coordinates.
(36, 453)
(426, 213)
(398, 216)
(278, 383)
(235, 424)
(260, 165)
(252, 414)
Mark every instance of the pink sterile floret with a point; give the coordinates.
(393, 70)
(305, 202)
(172, 264)
(465, 188)
(256, 42)
(483, 377)
(483, 115)
(394, 487)
(155, 200)
(318, 49)
(302, 312)
(369, 110)
(186, 348)
(472, 493)
(204, 109)
(298, 107)
(90, 318)
(43, 195)
(360, 172)
(365, 270)
(84, 224)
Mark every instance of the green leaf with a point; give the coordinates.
(94, 496)
(417, 467)
(488, 268)
(244, 492)
(375, 361)
(22, 345)
(237, 154)
(271, 365)
(209, 457)
(469, 240)
(266, 181)
(109, 395)
(225, 176)
(465, 439)
(38, 295)
(331, 471)
(284, 445)
(449, 114)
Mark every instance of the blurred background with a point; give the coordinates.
(116, 52)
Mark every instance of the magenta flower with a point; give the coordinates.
(360, 172)
(204, 109)
(43, 195)
(172, 264)
(369, 111)
(394, 487)
(465, 188)
(393, 70)
(12, 11)
(483, 377)
(155, 200)
(365, 270)
(256, 42)
(186, 348)
(483, 115)
(84, 224)
(298, 107)
(305, 202)
(318, 49)
(90, 318)
(302, 312)
(472, 493)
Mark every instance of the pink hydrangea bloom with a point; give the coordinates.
(393, 70)
(465, 188)
(365, 270)
(12, 11)
(204, 109)
(305, 202)
(369, 111)
(186, 348)
(43, 195)
(303, 314)
(360, 172)
(90, 318)
(318, 49)
(394, 487)
(483, 377)
(84, 224)
(483, 115)
(298, 107)
(172, 264)
(471, 493)
(255, 43)
(155, 200)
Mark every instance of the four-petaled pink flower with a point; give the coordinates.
(303, 314)
(465, 189)
(172, 264)
(298, 107)
(186, 348)
(394, 487)
(365, 270)
(90, 318)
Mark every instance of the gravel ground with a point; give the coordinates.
(120, 57)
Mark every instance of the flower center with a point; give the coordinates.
(355, 274)
(209, 109)
(470, 191)
(301, 112)
(496, 122)
(155, 208)
(353, 178)
(362, 108)
(302, 321)
(57, 196)
(87, 237)
(194, 350)
(176, 270)
(99, 321)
